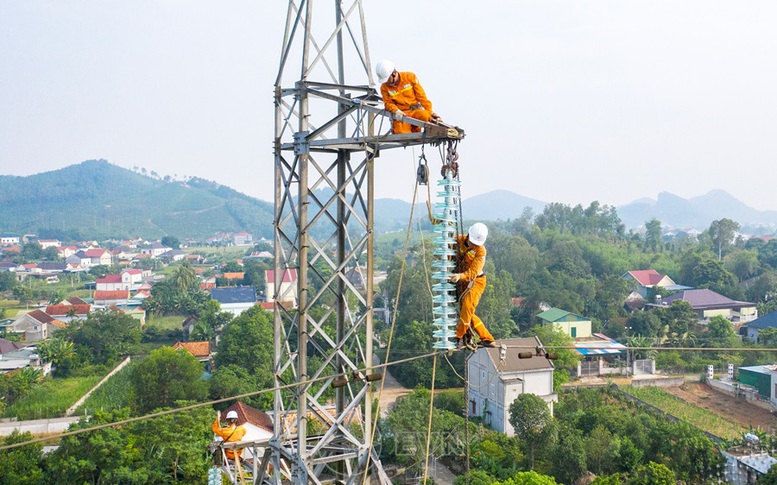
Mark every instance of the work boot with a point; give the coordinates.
(487, 343)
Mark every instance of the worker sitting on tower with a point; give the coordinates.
(470, 259)
(230, 433)
(404, 97)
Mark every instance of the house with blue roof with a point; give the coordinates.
(236, 299)
(754, 327)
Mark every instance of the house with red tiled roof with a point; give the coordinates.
(35, 326)
(68, 312)
(645, 280)
(234, 276)
(287, 287)
(109, 282)
(208, 283)
(112, 297)
(201, 350)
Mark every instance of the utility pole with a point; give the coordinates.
(329, 128)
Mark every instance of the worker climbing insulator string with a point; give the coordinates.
(445, 219)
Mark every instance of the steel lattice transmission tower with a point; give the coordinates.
(328, 125)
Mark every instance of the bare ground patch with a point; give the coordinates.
(735, 409)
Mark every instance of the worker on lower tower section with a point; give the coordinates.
(232, 432)
(470, 259)
(404, 96)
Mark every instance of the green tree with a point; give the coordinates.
(742, 264)
(767, 336)
(171, 242)
(8, 281)
(652, 474)
(211, 320)
(653, 235)
(164, 377)
(711, 274)
(530, 417)
(644, 324)
(60, 353)
(104, 336)
(720, 333)
(569, 457)
(722, 232)
(232, 380)
(529, 478)
(248, 342)
(183, 277)
(22, 465)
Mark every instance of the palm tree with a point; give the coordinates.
(184, 276)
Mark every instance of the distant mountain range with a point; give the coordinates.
(698, 212)
(96, 199)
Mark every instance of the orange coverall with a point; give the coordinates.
(471, 259)
(229, 434)
(407, 95)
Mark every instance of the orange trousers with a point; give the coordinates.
(400, 128)
(467, 315)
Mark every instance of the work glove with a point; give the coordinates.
(435, 117)
(455, 277)
(399, 115)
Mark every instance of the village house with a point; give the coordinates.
(68, 312)
(242, 239)
(49, 243)
(36, 325)
(236, 299)
(571, 324)
(288, 286)
(106, 298)
(498, 375)
(707, 304)
(154, 249)
(753, 328)
(9, 240)
(65, 252)
(200, 350)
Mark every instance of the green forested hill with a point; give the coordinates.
(96, 199)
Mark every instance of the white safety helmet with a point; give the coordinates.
(384, 70)
(232, 415)
(478, 233)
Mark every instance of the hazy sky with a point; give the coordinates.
(567, 101)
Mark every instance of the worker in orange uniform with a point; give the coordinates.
(231, 433)
(470, 259)
(404, 97)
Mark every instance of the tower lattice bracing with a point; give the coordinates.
(329, 127)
